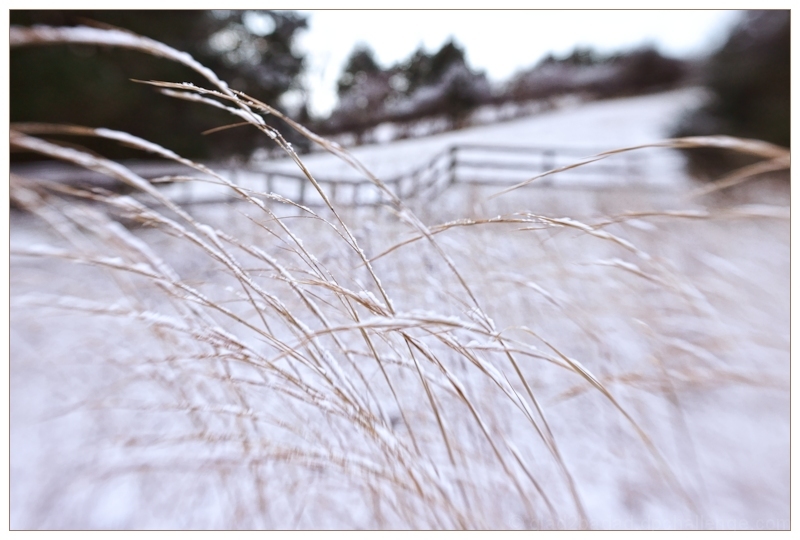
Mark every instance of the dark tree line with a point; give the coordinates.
(424, 85)
(252, 50)
(587, 72)
(749, 77)
(90, 85)
(442, 84)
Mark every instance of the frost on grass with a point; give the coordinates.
(304, 378)
(260, 365)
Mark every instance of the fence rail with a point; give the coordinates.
(492, 165)
(471, 164)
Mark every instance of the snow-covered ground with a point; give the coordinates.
(554, 139)
(544, 374)
(595, 126)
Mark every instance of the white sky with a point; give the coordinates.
(498, 42)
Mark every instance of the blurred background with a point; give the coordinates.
(673, 296)
(372, 76)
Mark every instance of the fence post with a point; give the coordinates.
(302, 197)
(417, 180)
(632, 162)
(453, 163)
(548, 164)
(269, 183)
(548, 160)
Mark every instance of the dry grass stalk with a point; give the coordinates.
(278, 342)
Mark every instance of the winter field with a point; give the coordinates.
(594, 357)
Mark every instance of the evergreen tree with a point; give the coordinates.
(363, 89)
(439, 84)
(442, 83)
(424, 69)
(417, 70)
(360, 65)
(449, 56)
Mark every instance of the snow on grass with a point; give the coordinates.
(548, 358)
(705, 375)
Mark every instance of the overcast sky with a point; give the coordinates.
(498, 42)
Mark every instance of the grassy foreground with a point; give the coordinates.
(270, 366)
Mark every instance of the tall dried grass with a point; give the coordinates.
(279, 367)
